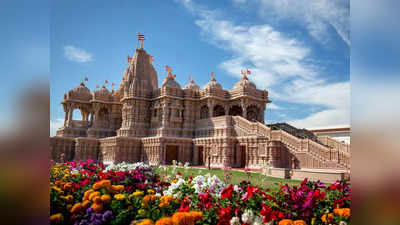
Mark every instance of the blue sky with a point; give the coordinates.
(296, 50)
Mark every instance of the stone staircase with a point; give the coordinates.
(329, 155)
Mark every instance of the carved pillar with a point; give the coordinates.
(210, 105)
(70, 112)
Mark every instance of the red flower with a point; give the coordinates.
(185, 205)
(205, 201)
(249, 193)
(224, 216)
(227, 192)
(270, 214)
(318, 195)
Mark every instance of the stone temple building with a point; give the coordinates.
(206, 126)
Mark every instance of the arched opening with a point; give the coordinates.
(204, 112)
(219, 111)
(236, 111)
(77, 114)
(252, 113)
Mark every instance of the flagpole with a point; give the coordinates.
(137, 45)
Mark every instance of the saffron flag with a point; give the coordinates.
(151, 59)
(97, 86)
(168, 68)
(86, 79)
(129, 59)
(248, 71)
(106, 81)
(212, 75)
(140, 37)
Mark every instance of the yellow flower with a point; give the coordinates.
(146, 222)
(165, 221)
(106, 199)
(106, 183)
(97, 207)
(68, 186)
(119, 196)
(136, 194)
(344, 212)
(56, 218)
(174, 181)
(165, 200)
(299, 222)
(151, 191)
(77, 208)
(69, 198)
(286, 222)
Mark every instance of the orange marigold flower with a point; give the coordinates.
(56, 218)
(69, 198)
(165, 221)
(77, 208)
(346, 212)
(67, 186)
(97, 199)
(299, 222)
(327, 218)
(106, 199)
(151, 191)
(146, 222)
(174, 181)
(94, 194)
(86, 194)
(106, 183)
(86, 204)
(117, 188)
(97, 186)
(97, 207)
(182, 218)
(196, 215)
(286, 222)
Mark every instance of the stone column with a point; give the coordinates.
(70, 112)
(210, 105)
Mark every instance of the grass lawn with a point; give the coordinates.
(237, 177)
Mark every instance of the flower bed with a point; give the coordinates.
(83, 193)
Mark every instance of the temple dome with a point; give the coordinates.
(192, 85)
(81, 92)
(213, 84)
(102, 94)
(244, 82)
(170, 82)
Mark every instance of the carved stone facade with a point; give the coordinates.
(210, 126)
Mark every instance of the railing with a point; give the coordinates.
(332, 143)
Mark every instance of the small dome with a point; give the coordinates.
(213, 84)
(192, 85)
(81, 92)
(245, 83)
(170, 82)
(102, 94)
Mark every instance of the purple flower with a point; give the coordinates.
(107, 215)
(89, 210)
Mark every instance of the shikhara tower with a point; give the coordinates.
(209, 126)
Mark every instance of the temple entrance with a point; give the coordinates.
(242, 156)
(200, 155)
(171, 153)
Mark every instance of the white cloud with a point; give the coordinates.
(278, 63)
(77, 55)
(273, 106)
(54, 125)
(317, 16)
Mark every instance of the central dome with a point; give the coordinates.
(244, 82)
(192, 85)
(213, 84)
(170, 82)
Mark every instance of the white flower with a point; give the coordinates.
(235, 221)
(342, 223)
(247, 216)
(258, 220)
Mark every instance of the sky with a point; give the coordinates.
(299, 51)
